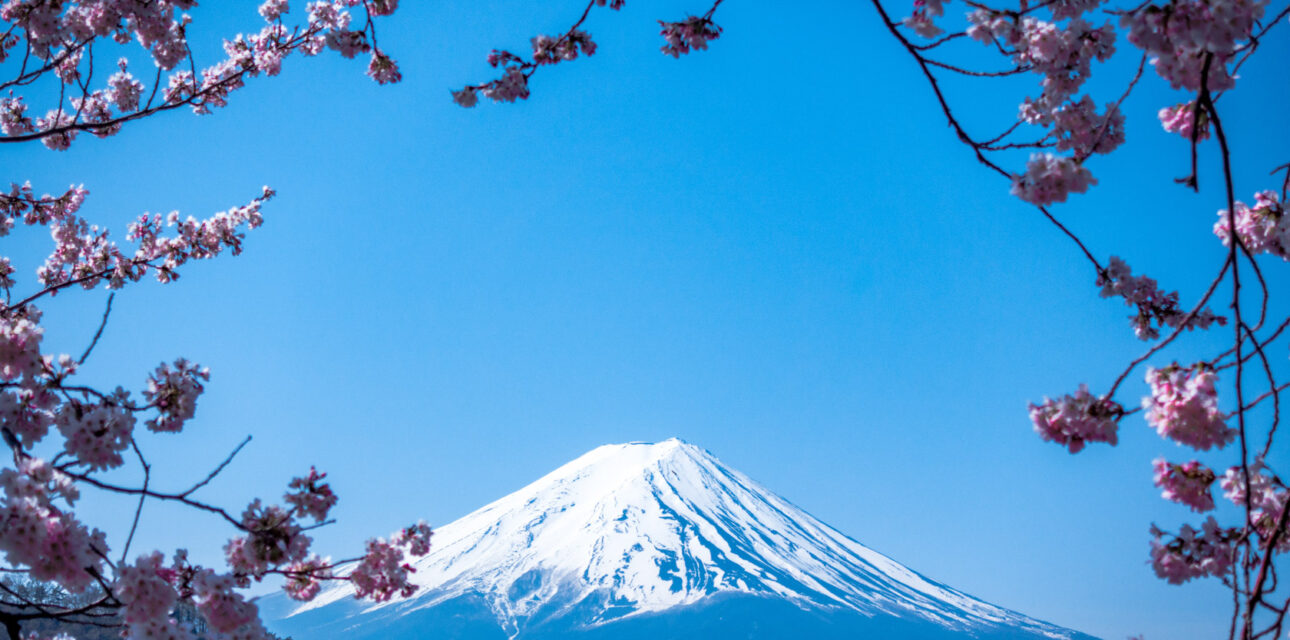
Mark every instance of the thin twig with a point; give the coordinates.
(99, 333)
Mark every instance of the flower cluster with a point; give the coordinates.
(13, 117)
(1266, 498)
(1062, 9)
(921, 20)
(20, 203)
(1193, 553)
(96, 433)
(384, 571)
(1180, 119)
(1186, 484)
(512, 86)
(26, 413)
(35, 533)
(1156, 308)
(693, 33)
(154, 24)
(174, 394)
(383, 69)
(304, 578)
(310, 496)
(223, 608)
(1073, 421)
(547, 50)
(1263, 228)
(1079, 128)
(273, 538)
(274, 9)
(416, 538)
(20, 357)
(1181, 35)
(1183, 406)
(1266, 493)
(1062, 54)
(1050, 178)
(144, 590)
(194, 239)
(84, 255)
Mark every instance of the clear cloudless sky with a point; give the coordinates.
(774, 249)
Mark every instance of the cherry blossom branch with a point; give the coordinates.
(937, 43)
(979, 74)
(211, 476)
(691, 34)
(961, 132)
(98, 275)
(138, 510)
(97, 334)
(1186, 322)
(514, 84)
(1236, 244)
(1271, 338)
(1269, 548)
(327, 27)
(147, 493)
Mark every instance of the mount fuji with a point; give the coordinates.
(653, 540)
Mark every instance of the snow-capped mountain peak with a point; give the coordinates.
(635, 529)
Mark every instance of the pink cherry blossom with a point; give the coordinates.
(1267, 500)
(57, 118)
(383, 69)
(1156, 308)
(382, 573)
(1183, 406)
(174, 393)
(466, 97)
(1181, 34)
(26, 414)
(274, 9)
(416, 538)
(224, 609)
(1079, 128)
(1180, 118)
(34, 533)
(512, 86)
(19, 348)
(311, 496)
(1072, 8)
(1263, 228)
(13, 119)
(304, 578)
(1193, 553)
(693, 33)
(1050, 178)
(1062, 54)
(146, 594)
(922, 24)
(549, 50)
(1267, 493)
(1073, 421)
(96, 433)
(921, 20)
(273, 538)
(1186, 484)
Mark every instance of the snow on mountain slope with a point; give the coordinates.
(642, 528)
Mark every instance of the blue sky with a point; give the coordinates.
(774, 249)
